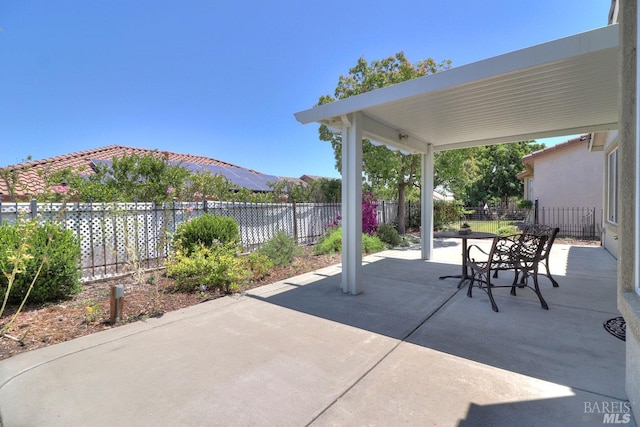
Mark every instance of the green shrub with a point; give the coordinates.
(60, 275)
(388, 234)
(206, 268)
(507, 230)
(208, 230)
(331, 243)
(371, 244)
(280, 249)
(444, 213)
(259, 265)
(524, 204)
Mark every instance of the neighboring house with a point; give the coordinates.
(568, 174)
(306, 180)
(566, 179)
(311, 178)
(442, 195)
(293, 181)
(31, 181)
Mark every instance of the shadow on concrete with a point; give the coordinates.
(398, 296)
(403, 299)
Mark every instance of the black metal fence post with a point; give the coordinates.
(535, 212)
(295, 222)
(34, 208)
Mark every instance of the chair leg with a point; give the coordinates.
(537, 291)
(471, 282)
(553, 281)
(494, 306)
(523, 279)
(515, 281)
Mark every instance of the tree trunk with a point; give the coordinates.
(401, 209)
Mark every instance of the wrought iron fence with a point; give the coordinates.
(388, 213)
(492, 219)
(580, 222)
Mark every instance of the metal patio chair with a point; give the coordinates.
(521, 253)
(551, 234)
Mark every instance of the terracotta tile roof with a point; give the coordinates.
(29, 173)
(528, 160)
(555, 148)
(311, 178)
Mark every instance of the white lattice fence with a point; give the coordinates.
(258, 221)
(119, 237)
(313, 219)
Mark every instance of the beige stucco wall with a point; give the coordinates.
(628, 299)
(569, 177)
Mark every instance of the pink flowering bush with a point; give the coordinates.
(336, 222)
(369, 215)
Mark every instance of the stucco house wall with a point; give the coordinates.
(565, 175)
(567, 180)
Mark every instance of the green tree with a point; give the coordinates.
(147, 178)
(383, 168)
(455, 170)
(323, 190)
(495, 172)
(77, 184)
(205, 185)
(330, 190)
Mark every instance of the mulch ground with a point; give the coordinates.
(89, 312)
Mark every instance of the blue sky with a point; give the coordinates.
(223, 78)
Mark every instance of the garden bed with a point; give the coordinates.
(88, 312)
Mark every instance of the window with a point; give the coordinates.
(612, 187)
(530, 190)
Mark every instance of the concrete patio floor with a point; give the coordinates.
(410, 349)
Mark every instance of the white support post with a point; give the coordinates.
(352, 204)
(636, 251)
(426, 215)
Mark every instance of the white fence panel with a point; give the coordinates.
(119, 237)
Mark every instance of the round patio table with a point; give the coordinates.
(464, 237)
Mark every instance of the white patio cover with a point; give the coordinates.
(563, 87)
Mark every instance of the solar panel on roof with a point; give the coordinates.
(238, 176)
